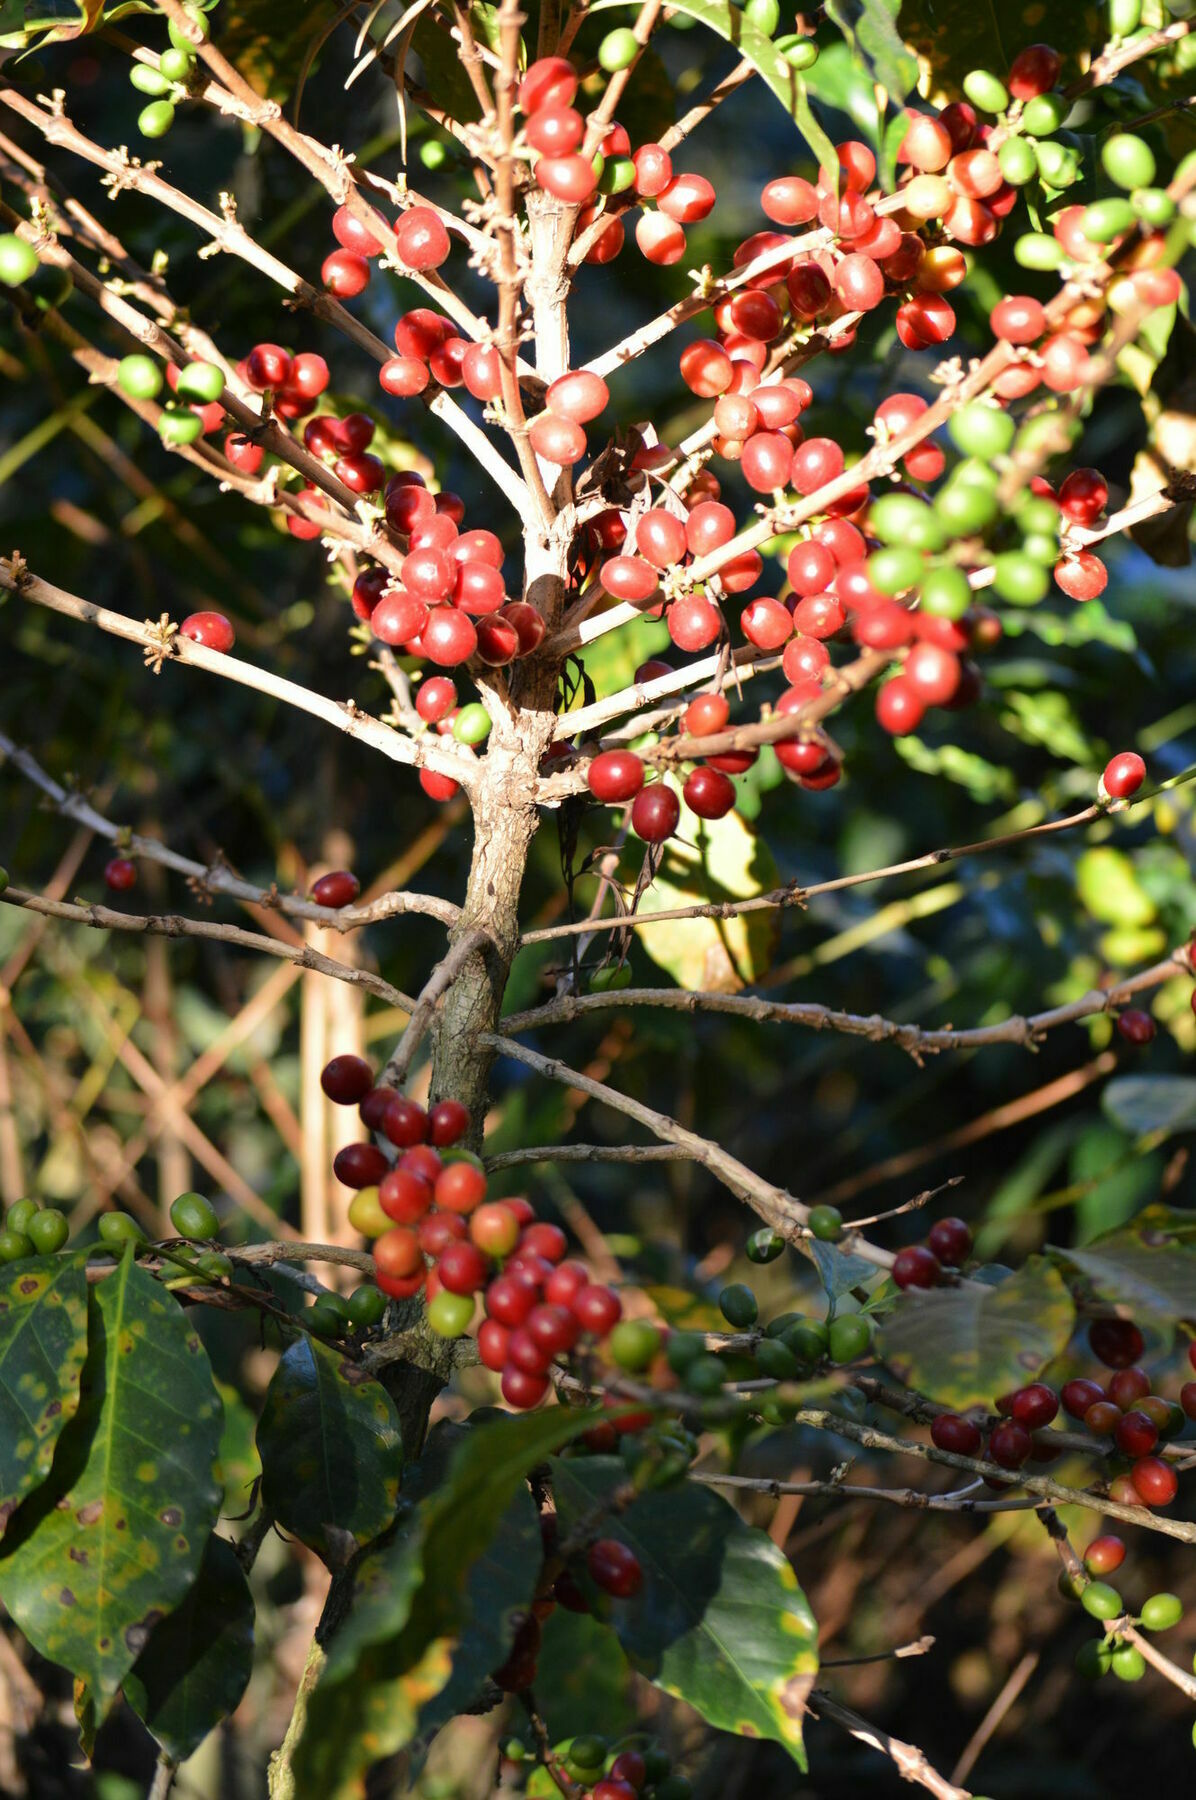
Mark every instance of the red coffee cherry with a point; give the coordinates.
(655, 813)
(1010, 1444)
(360, 1165)
(345, 274)
(693, 622)
(346, 1079)
(1034, 1406)
(1083, 496)
(421, 239)
(1082, 575)
(567, 178)
(1155, 1482)
(1115, 1342)
(659, 239)
(211, 629)
(1128, 1386)
(579, 395)
(710, 794)
(952, 1432)
(615, 1568)
(899, 706)
(598, 1308)
(1136, 1027)
(550, 81)
(1103, 1555)
(1034, 70)
(687, 198)
(448, 1121)
(951, 1241)
(653, 170)
(1018, 319)
(1135, 1434)
(120, 874)
(340, 888)
(615, 775)
(1079, 1396)
(1124, 775)
(916, 1266)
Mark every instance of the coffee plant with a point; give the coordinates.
(785, 366)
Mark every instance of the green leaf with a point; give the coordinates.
(1108, 884)
(113, 1538)
(444, 74)
(198, 1661)
(23, 22)
(720, 1621)
(394, 1653)
(1148, 1267)
(1145, 1104)
(583, 1683)
(870, 27)
(332, 1455)
(961, 1345)
(839, 1269)
(269, 42)
(728, 22)
(239, 1464)
(43, 1344)
(712, 860)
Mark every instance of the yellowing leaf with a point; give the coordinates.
(712, 861)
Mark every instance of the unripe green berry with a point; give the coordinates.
(450, 1315)
(194, 1217)
(850, 1337)
(775, 1359)
(903, 520)
(981, 430)
(799, 51)
(179, 426)
(895, 569)
(617, 176)
(472, 724)
(176, 64)
(14, 1246)
(18, 260)
(324, 1320)
(1036, 250)
(826, 1223)
(367, 1306)
(1019, 578)
(808, 1342)
(738, 1305)
(1128, 160)
(1154, 206)
(155, 120)
(945, 593)
(1124, 16)
(201, 381)
(1129, 1664)
(148, 81)
(633, 1343)
(1044, 114)
(986, 91)
(215, 1265)
(433, 154)
(764, 1246)
(117, 1229)
(197, 17)
(682, 1349)
(1101, 1601)
(618, 49)
(1094, 1658)
(139, 377)
(48, 1231)
(1161, 1612)
(765, 15)
(705, 1375)
(1018, 161)
(19, 1215)
(1105, 220)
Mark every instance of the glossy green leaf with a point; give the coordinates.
(332, 1454)
(394, 1654)
(839, 1270)
(1149, 1267)
(113, 1538)
(583, 1682)
(1145, 1104)
(43, 1343)
(870, 27)
(786, 83)
(712, 860)
(720, 1621)
(198, 1661)
(962, 1345)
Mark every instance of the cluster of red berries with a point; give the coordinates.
(948, 1246)
(435, 1232)
(614, 1569)
(420, 238)
(1123, 1409)
(555, 133)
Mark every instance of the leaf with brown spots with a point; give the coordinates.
(43, 1341)
(720, 1621)
(331, 1451)
(121, 1521)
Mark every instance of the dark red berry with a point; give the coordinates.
(120, 874)
(1115, 1342)
(1010, 1444)
(951, 1242)
(916, 1266)
(1079, 1395)
(1034, 1406)
(952, 1432)
(346, 1079)
(338, 889)
(615, 1568)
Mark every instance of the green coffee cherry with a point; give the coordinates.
(1102, 1601)
(738, 1305)
(198, 17)
(1154, 206)
(433, 154)
(1094, 1658)
(895, 570)
(798, 51)
(18, 260)
(148, 81)
(1018, 161)
(179, 426)
(850, 1337)
(617, 176)
(965, 508)
(705, 1375)
(1036, 250)
(808, 1341)
(367, 1306)
(14, 1245)
(1105, 220)
(194, 1217)
(986, 91)
(945, 593)
(618, 50)
(472, 724)
(901, 519)
(1161, 1612)
(1044, 114)
(633, 1343)
(1128, 160)
(3, 880)
(1129, 1664)
(48, 1231)
(764, 1246)
(1041, 547)
(117, 1229)
(325, 1320)
(450, 1315)
(19, 1215)
(139, 377)
(1019, 579)
(200, 381)
(980, 430)
(155, 120)
(215, 1265)
(826, 1223)
(682, 1349)
(1034, 513)
(177, 65)
(775, 1359)
(1124, 16)
(765, 15)
(610, 979)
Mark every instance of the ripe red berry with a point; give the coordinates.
(1128, 1386)
(1034, 70)
(462, 1268)
(243, 453)
(120, 874)
(494, 1229)
(615, 775)
(655, 813)
(1135, 1434)
(1010, 1444)
(1103, 1555)
(211, 629)
(1115, 1342)
(1082, 575)
(951, 1241)
(345, 274)
(1124, 775)
(1034, 1406)
(949, 1431)
(340, 888)
(1083, 496)
(522, 1389)
(916, 1266)
(404, 1196)
(360, 1165)
(1079, 1395)
(615, 1568)
(554, 1329)
(709, 793)
(599, 1308)
(346, 1079)
(1155, 1482)
(687, 198)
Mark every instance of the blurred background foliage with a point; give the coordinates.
(96, 1033)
